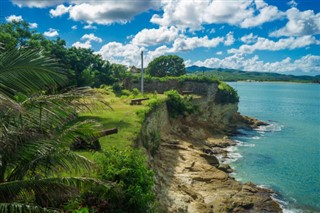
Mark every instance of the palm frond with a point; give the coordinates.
(22, 208)
(48, 163)
(27, 71)
(24, 189)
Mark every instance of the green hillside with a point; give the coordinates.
(237, 75)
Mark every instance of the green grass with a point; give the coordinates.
(122, 116)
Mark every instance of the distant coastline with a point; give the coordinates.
(246, 76)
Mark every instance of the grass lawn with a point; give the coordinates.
(122, 116)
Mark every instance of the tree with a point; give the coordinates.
(33, 135)
(170, 65)
(19, 34)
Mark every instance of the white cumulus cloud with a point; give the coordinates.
(116, 52)
(193, 13)
(51, 33)
(94, 11)
(299, 24)
(249, 39)
(229, 39)
(59, 11)
(33, 25)
(307, 63)
(86, 44)
(91, 37)
(282, 44)
(90, 27)
(14, 18)
(150, 37)
(88, 38)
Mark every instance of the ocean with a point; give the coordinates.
(284, 156)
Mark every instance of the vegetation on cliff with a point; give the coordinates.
(41, 118)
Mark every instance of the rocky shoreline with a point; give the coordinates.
(190, 177)
(183, 154)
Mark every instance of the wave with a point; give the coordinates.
(232, 156)
(240, 143)
(272, 127)
(285, 205)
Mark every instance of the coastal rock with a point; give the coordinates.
(226, 168)
(188, 175)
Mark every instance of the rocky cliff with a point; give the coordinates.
(183, 153)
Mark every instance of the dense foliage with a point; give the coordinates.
(134, 181)
(35, 133)
(83, 67)
(226, 94)
(170, 65)
(179, 106)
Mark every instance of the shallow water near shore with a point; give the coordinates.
(284, 156)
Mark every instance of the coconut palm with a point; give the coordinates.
(33, 134)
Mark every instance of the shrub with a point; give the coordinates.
(134, 180)
(226, 94)
(135, 92)
(178, 106)
(116, 87)
(125, 92)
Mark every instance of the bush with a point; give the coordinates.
(116, 87)
(226, 94)
(134, 180)
(178, 106)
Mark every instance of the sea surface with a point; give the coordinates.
(284, 156)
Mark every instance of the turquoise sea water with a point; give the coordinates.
(284, 156)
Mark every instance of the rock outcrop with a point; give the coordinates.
(183, 154)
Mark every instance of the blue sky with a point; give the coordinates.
(253, 35)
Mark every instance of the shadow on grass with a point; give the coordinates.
(106, 122)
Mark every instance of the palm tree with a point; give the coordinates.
(35, 163)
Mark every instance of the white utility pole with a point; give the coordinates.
(142, 72)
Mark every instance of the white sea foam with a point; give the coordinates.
(272, 127)
(233, 155)
(285, 205)
(240, 143)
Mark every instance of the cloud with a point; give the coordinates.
(89, 27)
(292, 3)
(14, 18)
(187, 44)
(93, 11)
(229, 39)
(37, 3)
(115, 52)
(307, 63)
(59, 11)
(269, 45)
(51, 33)
(219, 53)
(33, 25)
(299, 24)
(108, 12)
(266, 13)
(249, 39)
(86, 45)
(91, 37)
(88, 38)
(74, 27)
(193, 13)
(150, 37)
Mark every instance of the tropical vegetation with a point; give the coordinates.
(166, 65)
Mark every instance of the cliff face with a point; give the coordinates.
(183, 153)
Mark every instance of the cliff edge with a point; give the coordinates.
(183, 153)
